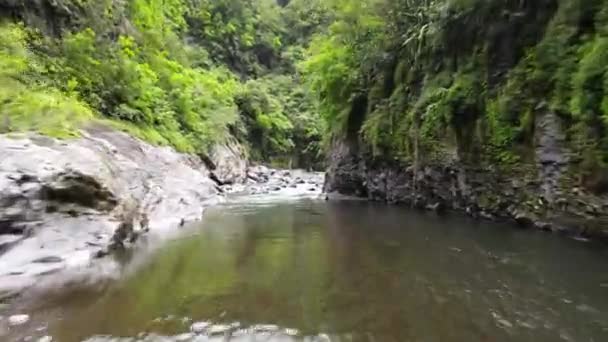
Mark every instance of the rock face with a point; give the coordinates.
(539, 193)
(228, 164)
(61, 202)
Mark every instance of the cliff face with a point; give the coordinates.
(502, 119)
(542, 194)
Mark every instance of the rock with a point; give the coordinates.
(253, 177)
(64, 192)
(101, 253)
(199, 327)
(45, 339)
(543, 188)
(18, 320)
(419, 203)
(228, 163)
(545, 226)
(438, 207)
(486, 216)
(218, 329)
(523, 220)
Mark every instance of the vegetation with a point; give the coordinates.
(176, 72)
(412, 79)
(418, 79)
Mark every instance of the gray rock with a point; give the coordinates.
(228, 163)
(199, 327)
(18, 320)
(64, 192)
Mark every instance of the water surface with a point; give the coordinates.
(347, 271)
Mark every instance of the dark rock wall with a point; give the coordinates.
(540, 193)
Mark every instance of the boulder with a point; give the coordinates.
(228, 163)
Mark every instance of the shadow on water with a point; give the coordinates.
(353, 271)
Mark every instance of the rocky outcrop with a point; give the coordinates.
(227, 163)
(62, 202)
(541, 194)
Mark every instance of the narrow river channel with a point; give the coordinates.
(310, 270)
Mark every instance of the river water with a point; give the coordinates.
(310, 270)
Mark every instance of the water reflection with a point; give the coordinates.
(352, 271)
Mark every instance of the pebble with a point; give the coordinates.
(46, 339)
(18, 320)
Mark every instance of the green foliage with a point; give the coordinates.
(27, 106)
(283, 124)
(440, 74)
(263, 113)
(169, 71)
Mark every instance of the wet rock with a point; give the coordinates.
(545, 226)
(218, 329)
(18, 320)
(419, 203)
(438, 207)
(523, 220)
(184, 337)
(199, 327)
(540, 190)
(486, 216)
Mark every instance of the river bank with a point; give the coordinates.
(66, 205)
(545, 193)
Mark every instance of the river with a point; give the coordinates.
(310, 270)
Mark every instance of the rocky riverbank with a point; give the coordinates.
(64, 204)
(544, 194)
